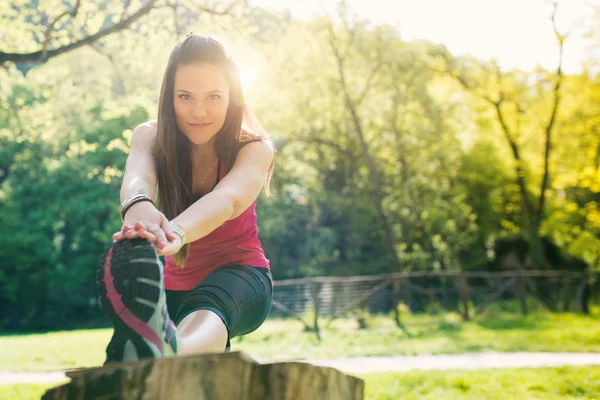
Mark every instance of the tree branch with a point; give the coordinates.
(517, 156)
(317, 140)
(372, 76)
(125, 7)
(43, 56)
(174, 6)
(226, 11)
(553, 113)
(374, 176)
(50, 28)
(497, 104)
(100, 51)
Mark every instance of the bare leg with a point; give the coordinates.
(202, 331)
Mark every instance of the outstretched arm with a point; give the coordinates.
(140, 174)
(231, 197)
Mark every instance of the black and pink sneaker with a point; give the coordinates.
(131, 288)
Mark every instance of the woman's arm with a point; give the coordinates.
(140, 174)
(140, 171)
(232, 195)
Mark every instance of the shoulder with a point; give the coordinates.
(261, 149)
(147, 128)
(259, 153)
(256, 154)
(144, 135)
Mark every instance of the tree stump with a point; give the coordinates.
(224, 376)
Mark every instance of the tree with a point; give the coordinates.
(506, 93)
(83, 23)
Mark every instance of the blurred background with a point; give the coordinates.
(419, 137)
(450, 151)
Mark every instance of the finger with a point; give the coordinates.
(164, 224)
(132, 234)
(161, 239)
(140, 225)
(118, 236)
(168, 250)
(147, 235)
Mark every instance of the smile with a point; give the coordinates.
(200, 125)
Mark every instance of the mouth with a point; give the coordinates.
(200, 125)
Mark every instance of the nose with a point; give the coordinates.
(199, 110)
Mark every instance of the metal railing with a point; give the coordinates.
(468, 293)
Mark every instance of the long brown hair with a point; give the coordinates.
(173, 150)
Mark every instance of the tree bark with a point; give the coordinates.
(225, 376)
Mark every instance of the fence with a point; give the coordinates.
(468, 293)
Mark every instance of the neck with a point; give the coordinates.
(204, 155)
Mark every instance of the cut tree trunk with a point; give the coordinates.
(224, 376)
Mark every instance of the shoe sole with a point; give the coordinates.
(129, 281)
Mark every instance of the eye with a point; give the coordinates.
(184, 96)
(214, 96)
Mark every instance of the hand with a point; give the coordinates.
(144, 220)
(170, 248)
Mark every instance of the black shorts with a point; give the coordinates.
(240, 294)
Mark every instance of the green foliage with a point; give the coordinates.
(276, 339)
(59, 210)
(383, 162)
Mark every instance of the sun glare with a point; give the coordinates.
(248, 73)
(517, 33)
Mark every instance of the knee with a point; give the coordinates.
(202, 331)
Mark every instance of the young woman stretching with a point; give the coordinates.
(189, 193)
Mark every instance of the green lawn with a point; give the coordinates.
(24, 392)
(285, 339)
(501, 384)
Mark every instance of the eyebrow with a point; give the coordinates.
(209, 92)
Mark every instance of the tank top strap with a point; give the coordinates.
(220, 170)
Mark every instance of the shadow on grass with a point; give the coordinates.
(435, 329)
(507, 323)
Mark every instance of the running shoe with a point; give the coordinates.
(132, 294)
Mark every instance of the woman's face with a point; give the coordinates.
(200, 97)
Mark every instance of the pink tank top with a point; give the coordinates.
(234, 242)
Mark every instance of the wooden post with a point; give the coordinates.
(396, 289)
(360, 300)
(224, 376)
(494, 295)
(583, 296)
(315, 297)
(291, 313)
(566, 294)
(463, 288)
(522, 293)
(396, 302)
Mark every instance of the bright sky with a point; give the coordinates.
(518, 33)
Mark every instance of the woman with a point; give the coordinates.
(189, 193)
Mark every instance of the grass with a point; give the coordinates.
(521, 383)
(25, 391)
(430, 334)
(500, 384)
(285, 339)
